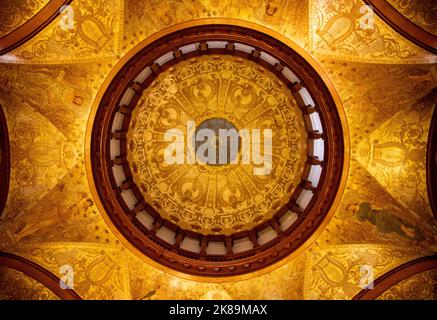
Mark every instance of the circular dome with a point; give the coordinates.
(216, 92)
(217, 150)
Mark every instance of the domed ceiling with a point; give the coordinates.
(217, 198)
(323, 188)
(237, 209)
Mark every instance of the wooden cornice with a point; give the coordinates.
(31, 27)
(431, 156)
(397, 275)
(403, 25)
(172, 255)
(38, 273)
(5, 163)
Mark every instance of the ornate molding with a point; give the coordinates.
(5, 160)
(404, 26)
(38, 273)
(431, 156)
(145, 239)
(31, 27)
(397, 275)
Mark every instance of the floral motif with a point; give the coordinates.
(227, 198)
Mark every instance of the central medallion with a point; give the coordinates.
(217, 93)
(222, 142)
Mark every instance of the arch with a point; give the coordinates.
(397, 275)
(404, 26)
(38, 273)
(5, 159)
(31, 27)
(431, 158)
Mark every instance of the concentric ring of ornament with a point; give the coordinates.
(219, 91)
(217, 255)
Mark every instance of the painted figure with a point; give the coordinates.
(384, 221)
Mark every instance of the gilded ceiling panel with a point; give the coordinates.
(368, 213)
(65, 213)
(46, 112)
(60, 94)
(382, 99)
(47, 107)
(96, 35)
(421, 12)
(388, 92)
(18, 286)
(421, 286)
(285, 283)
(395, 154)
(142, 18)
(373, 93)
(110, 272)
(40, 156)
(336, 272)
(104, 30)
(14, 13)
(347, 29)
(95, 271)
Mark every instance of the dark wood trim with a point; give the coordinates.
(121, 135)
(146, 240)
(397, 275)
(5, 161)
(431, 157)
(31, 27)
(38, 273)
(404, 26)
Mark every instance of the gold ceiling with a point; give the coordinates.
(217, 199)
(418, 287)
(47, 89)
(421, 12)
(14, 13)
